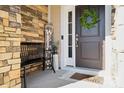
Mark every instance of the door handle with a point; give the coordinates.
(76, 42)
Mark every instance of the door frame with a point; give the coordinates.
(106, 47)
(65, 60)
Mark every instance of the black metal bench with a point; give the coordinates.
(31, 53)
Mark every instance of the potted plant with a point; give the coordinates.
(55, 55)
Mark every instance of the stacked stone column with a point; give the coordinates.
(10, 38)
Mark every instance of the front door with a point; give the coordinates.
(89, 42)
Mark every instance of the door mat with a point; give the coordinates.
(90, 78)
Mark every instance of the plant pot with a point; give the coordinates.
(55, 62)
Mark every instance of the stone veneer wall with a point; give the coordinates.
(18, 24)
(33, 19)
(10, 38)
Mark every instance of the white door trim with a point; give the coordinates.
(64, 32)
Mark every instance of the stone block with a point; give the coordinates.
(16, 43)
(44, 16)
(14, 35)
(14, 24)
(18, 80)
(1, 75)
(2, 38)
(15, 9)
(1, 79)
(4, 56)
(17, 86)
(16, 49)
(14, 61)
(18, 16)
(6, 74)
(35, 21)
(5, 22)
(14, 74)
(4, 14)
(23, 39)
(15, 66)
(5, 8)
(41, 32)
(3, 35)
(13, 49)
(12, 17)
(41, 24)
(6, 79)
(12, 83)
(1, 28)
(18, 31)
(2, 49)
(4, 69)
(30, 34)
(9, 49)
(13, 39)
(10, 29)
(1, 21)
(6, 85)
(4, 43)
(16, 55)
(1, 63)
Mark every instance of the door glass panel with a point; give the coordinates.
(70, 28)
(70, 34)
(70, 16)
(70, 40)
(70, 52)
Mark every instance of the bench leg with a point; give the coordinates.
(43, 65)
(25, 84)
(53, 69)
(52, 64)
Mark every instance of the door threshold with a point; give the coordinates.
(83, 70)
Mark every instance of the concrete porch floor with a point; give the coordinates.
(47, 79)
(60, 79)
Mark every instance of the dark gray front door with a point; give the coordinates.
(89, 42)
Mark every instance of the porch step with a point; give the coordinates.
(86, 71)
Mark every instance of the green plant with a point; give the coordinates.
(89, 13)
(55, 47)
